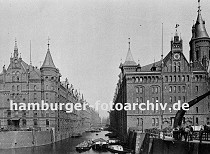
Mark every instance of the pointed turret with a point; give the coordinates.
(200, 41)
(129, 65)
(48, 62)
(129, 58)
(200, 30)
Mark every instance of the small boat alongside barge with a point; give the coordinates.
(84, 146)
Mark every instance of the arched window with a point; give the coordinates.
(170, 79)
(179, 68)
(47, 122)
(174, 66)
(137, 89)
(183, 78)
(141, 79)
(170, 99)
(170, 89)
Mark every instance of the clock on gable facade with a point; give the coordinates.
(176, 56)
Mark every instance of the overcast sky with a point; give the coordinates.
(88, 38)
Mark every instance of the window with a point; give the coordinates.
(34, 87)
(47, 114)
(141, 100)
(35, 96)
(13, 78)
(46, 87)
(35, 122)
(188, 78)
(157, 121)
(24, 113)
(170, 79)
(137, 89)
(170, 89)
(174, 78)
(138, 122)
(8, 113)
(179, 78)
(196, 87)
(24, 122)
(156, 89)
(46, 95)
(13, 88)
(153, 90)
(153, 121)
(174, 67)
(184, 100)
(166, 78)
(170, 99)
(141, 90)
(137, 100)
(174, 98)
(47, 122)
(207, 120)
(179, 68)
(141, 79)
(196, 109)
(174, 88)
(35, 114)
(196, 120)
(183, 78)
(183, 89)
(18, 88)
(179, 98)
(153, 100)
(179, 89)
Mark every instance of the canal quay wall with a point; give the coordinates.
(19, 139)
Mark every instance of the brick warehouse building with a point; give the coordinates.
(171, 79)
(24, 83)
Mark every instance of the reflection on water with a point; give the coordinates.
(63, 147)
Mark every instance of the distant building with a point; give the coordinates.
(24, 83)
(171, 79)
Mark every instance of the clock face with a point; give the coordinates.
(177, 56)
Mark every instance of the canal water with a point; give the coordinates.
(66, 146)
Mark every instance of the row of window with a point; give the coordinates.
(178, 89)
(155, 99)
(24, 122)
(141, 90)
(175, 99)
(34, 87)
(175, 78)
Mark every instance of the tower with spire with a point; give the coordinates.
(200, 41)
(49, 73)
(176, 43)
